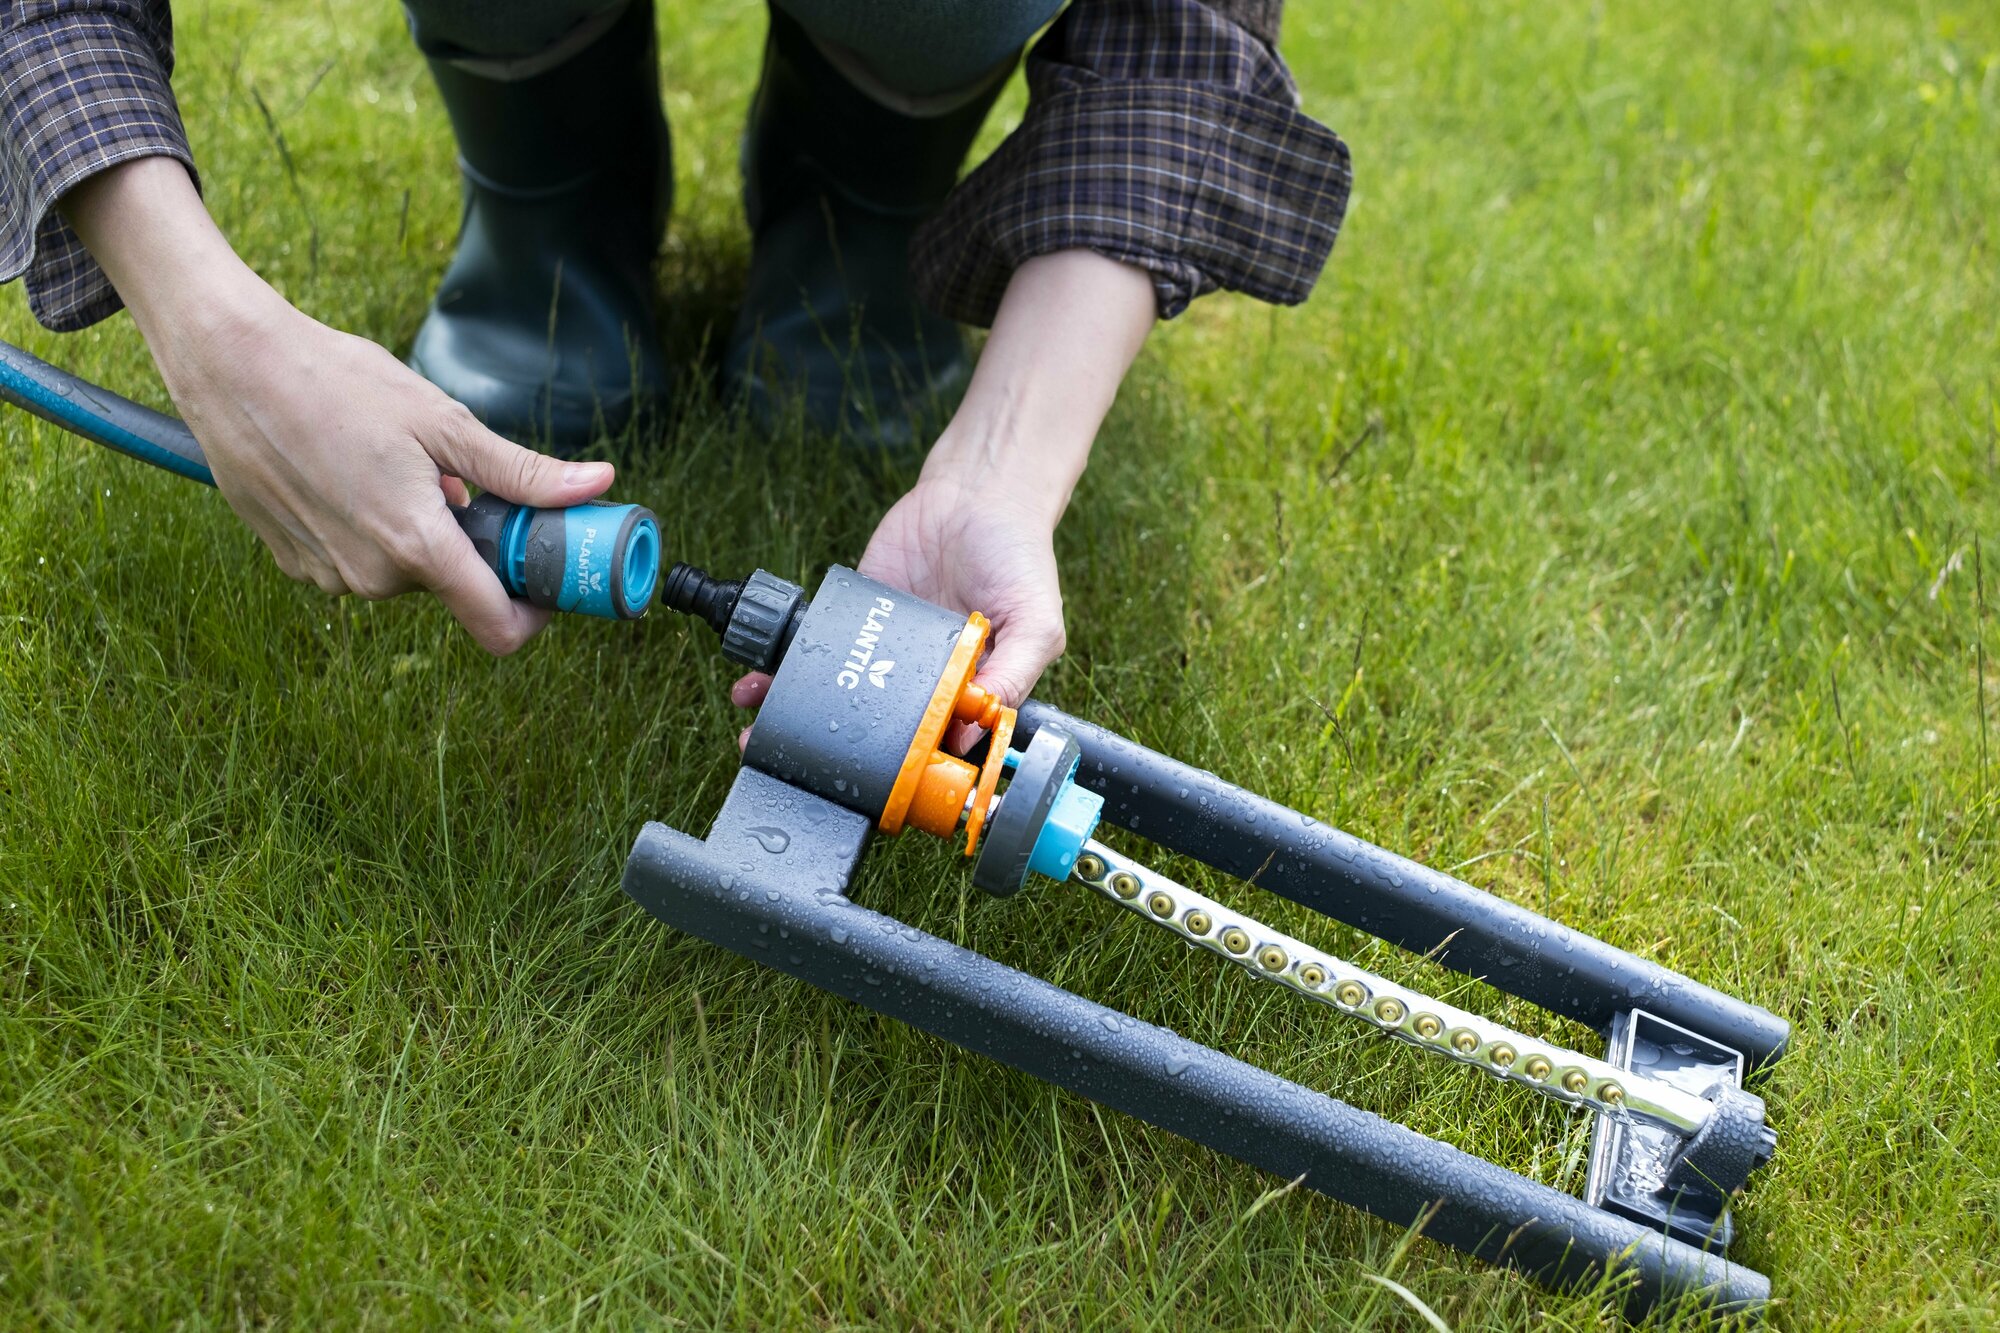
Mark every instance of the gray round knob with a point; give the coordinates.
(756, 629)
(1011, 830)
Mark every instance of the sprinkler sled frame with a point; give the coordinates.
(867, 680)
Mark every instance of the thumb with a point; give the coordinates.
(464, 583)
(1023, 648)
(461, 447)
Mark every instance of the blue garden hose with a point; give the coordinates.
(594, 559)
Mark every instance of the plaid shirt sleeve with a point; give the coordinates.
(1162, 133)
(83, 85)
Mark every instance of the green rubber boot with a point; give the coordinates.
(834, 184)
(544, 325)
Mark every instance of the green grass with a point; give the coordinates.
(1623, 493)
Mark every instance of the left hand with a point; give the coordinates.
(978, 550)
(970, 549)
(977, 531)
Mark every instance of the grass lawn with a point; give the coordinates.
(1621, 493)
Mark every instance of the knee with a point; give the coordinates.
(929, 46)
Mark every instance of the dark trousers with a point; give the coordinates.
(916, 49)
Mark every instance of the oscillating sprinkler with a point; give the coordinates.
(849, 742)
(596, 559)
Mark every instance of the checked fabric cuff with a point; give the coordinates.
(1204, 188)
(1163, 133)
(78, 93)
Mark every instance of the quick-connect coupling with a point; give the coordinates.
(591, 559)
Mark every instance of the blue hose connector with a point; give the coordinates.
(590, 559)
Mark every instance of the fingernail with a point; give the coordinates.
(581, 474)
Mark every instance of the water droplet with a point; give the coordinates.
(772, 840)
(839, 935)
(1177, 1065)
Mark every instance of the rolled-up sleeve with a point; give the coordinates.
(1162, 133)
(83, 85)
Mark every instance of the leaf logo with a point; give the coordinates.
(878, 673)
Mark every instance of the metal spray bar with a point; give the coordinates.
(1429, 1024)
(1251, 837)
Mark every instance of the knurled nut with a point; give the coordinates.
(756, 625)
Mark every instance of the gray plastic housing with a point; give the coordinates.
(846, 702)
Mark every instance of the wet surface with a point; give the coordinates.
(847, 700)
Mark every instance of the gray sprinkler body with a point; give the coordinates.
(846, 700)
(770, 882)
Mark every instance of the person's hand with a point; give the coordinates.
(972, 550)
(976, 532)
(337, 455)
(343, 460)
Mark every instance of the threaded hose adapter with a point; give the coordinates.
(756, 616)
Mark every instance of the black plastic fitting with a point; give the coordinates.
(692, 592)
(756, 617)
(1722, 1154)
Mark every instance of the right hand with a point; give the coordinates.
(336, 454)
(343, 460)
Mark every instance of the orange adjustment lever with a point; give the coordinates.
(935, 788)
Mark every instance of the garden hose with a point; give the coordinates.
(596, 559)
